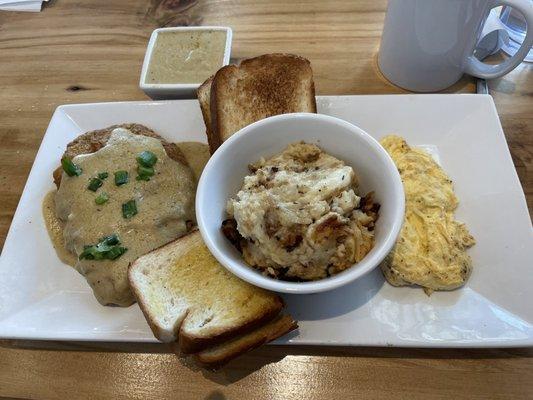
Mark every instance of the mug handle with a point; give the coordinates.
(480, 69)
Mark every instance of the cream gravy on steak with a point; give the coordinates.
(165, 210)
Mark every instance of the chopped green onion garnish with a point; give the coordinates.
(144, 173)
(116, 252)
(91, 253)
(111, 240)
(106, 249)
(121, 177)
(129, 209)
(102, 198)
(145, 170)
(147, 159)
(103, 175)
(70, 168)
(94, 184)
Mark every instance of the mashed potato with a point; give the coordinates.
(431, 248)
(300, 216)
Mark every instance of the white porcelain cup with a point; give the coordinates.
(427, 45)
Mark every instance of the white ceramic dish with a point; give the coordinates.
(224, 173)
(178, 90)
(41, 298)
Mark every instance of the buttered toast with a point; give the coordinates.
(187, 296)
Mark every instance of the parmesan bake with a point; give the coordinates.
(431, 248)
(299, 215)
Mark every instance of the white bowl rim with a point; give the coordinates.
(246, 273)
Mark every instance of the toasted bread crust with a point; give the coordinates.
(273, 84)
(204, 96)
(93, 141)
(213, 138)
(190, 344)
(217, 356)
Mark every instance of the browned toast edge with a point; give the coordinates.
(213, 135)
(213, 358)
(204, 92)
(190, 344)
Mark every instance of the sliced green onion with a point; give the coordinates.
(102, 198)
(94, 184)
(103, 175)
(106, 249)
(121, 177)
(90, 253)
(115, 252)
(147, 159)
(144, 173)
(129, 209)
(111, 240)
(70, 168)
(149, 171)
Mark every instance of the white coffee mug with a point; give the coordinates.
(427, 45)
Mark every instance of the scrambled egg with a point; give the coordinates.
(431, 249)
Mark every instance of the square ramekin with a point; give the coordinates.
(161, 91)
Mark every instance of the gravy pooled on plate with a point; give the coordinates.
(197, 155)
(129, 198)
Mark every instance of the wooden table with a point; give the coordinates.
(89, 51)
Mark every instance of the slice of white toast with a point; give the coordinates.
(186, 295)
(258, 88)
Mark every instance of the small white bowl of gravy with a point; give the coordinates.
(178, 60)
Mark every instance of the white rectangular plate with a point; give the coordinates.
(41, 298)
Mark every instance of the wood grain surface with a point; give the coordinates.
(91, 51)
